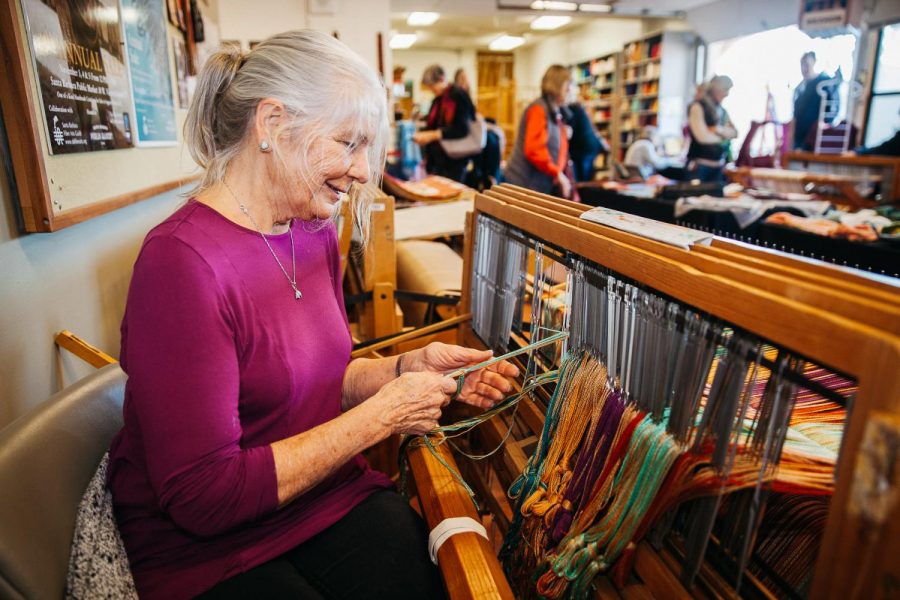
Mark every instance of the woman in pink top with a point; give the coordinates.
(238, 471)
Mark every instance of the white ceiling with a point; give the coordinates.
(662, 5)
(458, 31)
(476, 7)
(474, 23)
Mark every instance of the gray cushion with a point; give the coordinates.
(98, 566)
(47, 458)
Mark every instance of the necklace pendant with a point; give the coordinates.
(297, 294)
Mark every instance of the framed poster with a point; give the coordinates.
(79, 61)
(146, 46)
(79, 43)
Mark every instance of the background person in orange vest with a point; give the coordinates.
(541, 152)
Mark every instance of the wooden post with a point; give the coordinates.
(380, 272)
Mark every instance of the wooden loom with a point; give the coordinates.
(840, 189)
(376, 271)
(832, 316)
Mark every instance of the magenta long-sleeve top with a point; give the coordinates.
(222, 361)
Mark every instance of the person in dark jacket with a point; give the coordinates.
(808, 102)
(585, 144)
(449, 118)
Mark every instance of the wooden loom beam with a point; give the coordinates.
(838, 331)
(713, 293)
(857, 282)
(877, 311)
(467, 561)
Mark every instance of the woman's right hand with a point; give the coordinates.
(412, 403)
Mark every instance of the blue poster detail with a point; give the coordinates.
(151, 84)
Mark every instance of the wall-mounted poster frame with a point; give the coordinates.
(147, 49)
(54, 191)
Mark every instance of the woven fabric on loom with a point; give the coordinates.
(789, 536)
(816, 426)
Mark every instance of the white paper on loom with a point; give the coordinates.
(674, 235)
(431, 221)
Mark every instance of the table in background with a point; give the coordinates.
(877, 257)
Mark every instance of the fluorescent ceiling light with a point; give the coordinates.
(600, 8)
(422, 19)
(401, 41)
(506, 42)
(550, 22)
(552, 5)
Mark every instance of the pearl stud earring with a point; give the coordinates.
(264, 146)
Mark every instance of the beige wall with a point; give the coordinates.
(727, 19)
(73, 279)
(593, 39)
(255, 21)
(884, 12)
(357, 23)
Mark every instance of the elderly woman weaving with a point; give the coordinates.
(238, 471)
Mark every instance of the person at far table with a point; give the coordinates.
(710, 130)
(449, 118)
(643, 154)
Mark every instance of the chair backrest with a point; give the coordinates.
(47, 458)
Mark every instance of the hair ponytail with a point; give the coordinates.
(203, 129)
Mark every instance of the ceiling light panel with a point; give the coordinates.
(596, 8)
(422, 19)
(506, 42)
(402, 41)
(552, 5)
(548, 22)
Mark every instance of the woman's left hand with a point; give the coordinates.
(482, 388)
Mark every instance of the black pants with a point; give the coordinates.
(379, 550)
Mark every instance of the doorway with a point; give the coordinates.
(497, 92)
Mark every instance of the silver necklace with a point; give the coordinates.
(292, 280)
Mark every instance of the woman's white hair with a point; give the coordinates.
(325, 87)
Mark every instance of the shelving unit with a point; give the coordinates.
(597, 81)
(654, 87)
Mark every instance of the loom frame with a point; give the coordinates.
(834, 316)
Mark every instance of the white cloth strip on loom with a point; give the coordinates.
(450, 527)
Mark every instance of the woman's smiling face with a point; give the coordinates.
(332, 163)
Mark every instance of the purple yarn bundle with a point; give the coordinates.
(588, 466)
